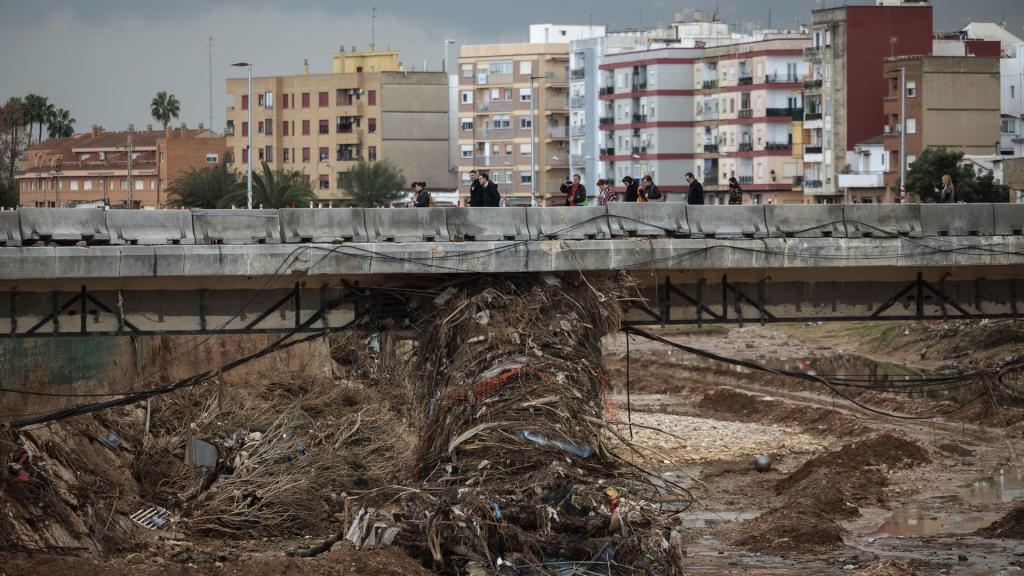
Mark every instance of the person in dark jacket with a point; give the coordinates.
(696, 193)
(489, 195)
(575, 193)
(735, 192)
(420, 198)
(475, 190)
(632, 193)
(948, 193)
(650, 191)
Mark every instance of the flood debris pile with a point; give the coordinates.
(825, 490)
(1010, 526)
(514, 461)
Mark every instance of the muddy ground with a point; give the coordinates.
(849, 491)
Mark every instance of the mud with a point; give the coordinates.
(1010, 526)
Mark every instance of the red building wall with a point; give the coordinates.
(868, 30)
(984, 48)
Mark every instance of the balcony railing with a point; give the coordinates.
(557, 77)
(577, 73)
(746, 147)
(812, 85)
(607, 151)
(639, 118)
(810, 150)
(558, 131)
(493, 133)
(798, 181)
(711, 148)
(746, 80)
(709, 84)
(577, 102)
(776, 146)
(606, 90)
(606, 121)
(784, 112)
(780, 79)
(494, 106)
(639, 85)
(710, 181)
(745, 179)
(812, 51)
(746, 113)
(577, 131)
(811, 116)
(557, 103)
(868, 180)
(813, 184)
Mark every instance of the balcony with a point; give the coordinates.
(812, 52)
(798, 182)
(812, 85)
(606, 120)
(552, 104)
(813, 184)
(606, 90)
(745, 80)
(639, 85)
(558, 132)
(639, 118)
(811, 116)
(577, 102)
(745, 179)
(868, 180)
(709, 84)
(780, 79)
(577, 131)
(578, 73)
(578, 160)
(492, 79)
(812, 150)
(794, 113)
(710, 180)
(493, 106)
(777, 146)
(746, 147)
(607, 151)
(746, 113)
(493, 133)
(711, 148)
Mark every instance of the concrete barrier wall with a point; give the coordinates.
(65, 226)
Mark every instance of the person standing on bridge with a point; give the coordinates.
(489, 195)
(948, 194)
(575, 193)
(735, 192)
(650, 191)
(420, 197)
(632, 189)
(475, 190)
(696, 194)
(606, 193)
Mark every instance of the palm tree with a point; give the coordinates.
(164, 107)
(47, 114)
(203, 188)
(373, 184)
(62, 125)
(273, 189)
(35, 106)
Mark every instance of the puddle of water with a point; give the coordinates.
(1005, 485)
(709, 519)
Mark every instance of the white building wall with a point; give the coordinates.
(562, 34)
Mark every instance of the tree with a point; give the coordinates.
(164, 107)
(35, 111)
(924, 178)
(13, 119)
(273, 189)
(373, 184)
(205, 187)
(62, 125)
(47, 114)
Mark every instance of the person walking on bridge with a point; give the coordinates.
(421, 198)
(735, 192)
(575, 193)
(475, 190)
(632, 189)
(489, 195)
(696, 194)
(606, 193)
(650, 191)
(948, 193)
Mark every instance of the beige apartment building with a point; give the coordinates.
(497, 83)
(93, 167)
(322, 125)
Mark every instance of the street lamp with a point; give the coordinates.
(444, 54)
(248, 152)
(533, 140)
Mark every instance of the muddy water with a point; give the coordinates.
(1005, 485)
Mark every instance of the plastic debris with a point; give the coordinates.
(581, 450)
(152, 518)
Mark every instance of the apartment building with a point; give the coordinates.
(951, 101)
(864, 182)
(94, 167)
(324, 124)
(647, 116)
(748, 95)
(843, 91)
(499, 85)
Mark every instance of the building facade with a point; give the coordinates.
(747, 97)
(941, 110)
(505, 91)
(94, 167)
(322, 125)
(1011, 74)
(864, 182)
(646, 116)
(845, 86)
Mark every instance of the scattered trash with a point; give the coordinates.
(110, 440)
(152, 518)
(581, 450)
(482, 317)
(201, 453)
(763, 463)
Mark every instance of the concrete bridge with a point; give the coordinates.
(69, 272)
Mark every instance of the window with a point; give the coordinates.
(324, 154)
(371, 153)
(525, 94)
(269, 153)
(467, 97)
(525, 178)
(910, 160)
(322, 99)
(305, 127)
(467, 150)
(245, 128)
(467, 124)
(371, 97)
(501, 67)
(325, 182)
(525, 149)
(1013, 91)
(259, 127)
(305, 99)
(1009, 126)
(284, 101)
(139, 184)
(287, 157)
(87, 184)
(508, 149)
(325, 127)
(245, 101)
(305, 155)
(371, 125)
(269, 124)
(305, 179)
(525, 123)
(508, 177)
(268, 100)
(73, 184)
(245, 160)
(212, 158)
(911, 89)
(465, 178)
(259, 151)
(284, 127)
(911, 125)
(526, 67)
(501, 122)
(467, 70)
(124, 184)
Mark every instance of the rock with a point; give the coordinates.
(135, 558)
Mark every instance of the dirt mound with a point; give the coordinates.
(956, 450)
(883, 450)
(886, 568)
(1010, 526)
(784, 530)
(731, 402)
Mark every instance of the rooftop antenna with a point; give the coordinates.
(769, 17)
(209, 54)
(373, 28)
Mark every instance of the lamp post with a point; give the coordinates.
(248, 151)
(903, 134)
(533, 141)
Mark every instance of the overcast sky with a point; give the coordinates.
(105, 59)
